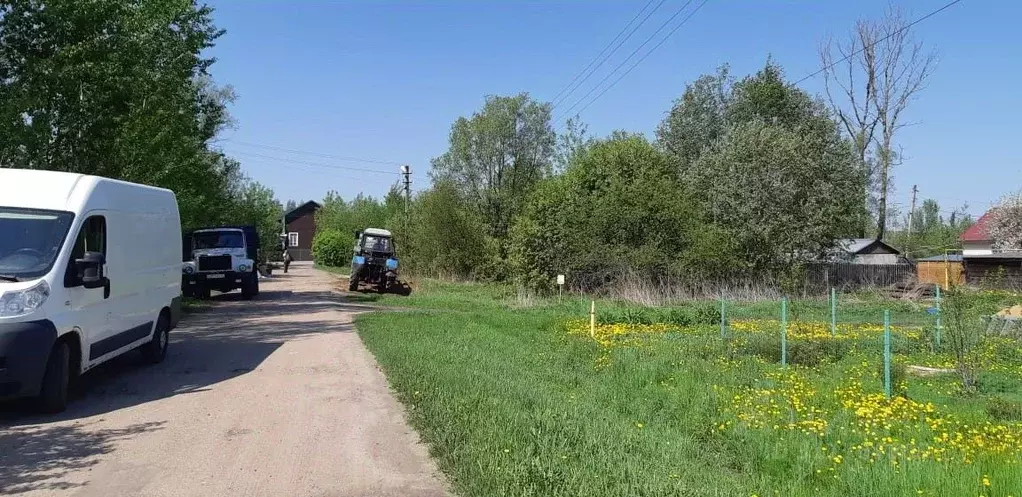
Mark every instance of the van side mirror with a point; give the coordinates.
(90, 270)
(358, 234)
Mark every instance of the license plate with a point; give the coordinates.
(214, 276)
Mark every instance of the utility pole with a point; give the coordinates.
(283, 228)
(406, 171)
(911, 212)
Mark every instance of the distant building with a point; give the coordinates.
(862, 262)
(986, 265)
(300, 223)
(943, 270)
(867, 251)
(976, 240)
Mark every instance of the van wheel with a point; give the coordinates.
(53, 393)
(156, 349)
(203, 294)
(352, 283)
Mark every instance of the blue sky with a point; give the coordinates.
(385, 80)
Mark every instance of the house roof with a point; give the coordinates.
(978, 232)
(1011, 256)
(301, 210)
(855, 245)
(941, 258)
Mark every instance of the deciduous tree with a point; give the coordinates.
(496, 156)
(870, 81)
(1005, 225)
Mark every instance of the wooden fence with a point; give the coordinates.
(940, 273)
(847, 276)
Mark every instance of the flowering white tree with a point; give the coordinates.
(1005, 226)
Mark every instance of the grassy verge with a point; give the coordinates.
(520, 401)
(340, 271)
(189, 304)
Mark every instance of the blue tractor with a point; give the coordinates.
(375, 263)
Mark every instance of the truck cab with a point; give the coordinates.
(222, 259)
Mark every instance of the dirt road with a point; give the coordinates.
(274, 397)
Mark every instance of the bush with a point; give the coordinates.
(899, 378)
(1004, 410)
(332, 248)
(701, 313)
(801, 352)
(707, 313)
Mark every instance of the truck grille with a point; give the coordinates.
(214, 262)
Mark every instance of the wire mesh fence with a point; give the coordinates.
(890, 335)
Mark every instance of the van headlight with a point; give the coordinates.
(243, 268)
(188, 269)
(22, 302)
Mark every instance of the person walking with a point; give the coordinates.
(287, 259)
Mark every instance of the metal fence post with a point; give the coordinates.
(784, 332)
(936, 335)
(833, 312)
(887, 353)
(723, 320)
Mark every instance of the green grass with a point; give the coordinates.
(189, 304)
(340, 271)
(509, 403)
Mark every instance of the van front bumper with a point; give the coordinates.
(24, 350)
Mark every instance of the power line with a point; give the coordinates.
(558, 99)
(316, 154)
(316, 164)
(655, 33)
(860, 50)
(330, 174)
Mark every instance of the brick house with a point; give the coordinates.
(301, 229)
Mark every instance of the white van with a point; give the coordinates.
(90, 268)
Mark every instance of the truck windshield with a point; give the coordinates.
(30, 240)
(218, 239)
(377, 243)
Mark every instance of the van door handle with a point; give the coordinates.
(106, 288)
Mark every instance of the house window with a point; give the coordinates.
(292, 239)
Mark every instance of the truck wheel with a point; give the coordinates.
(53, 392)
(249, 287)
(203, 294)
(156, 349)
(352, 284)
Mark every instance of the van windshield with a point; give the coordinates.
(218, 239)
(30, 240)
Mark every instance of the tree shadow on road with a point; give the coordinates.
(208, 348)
(39, 458)
(230, 338)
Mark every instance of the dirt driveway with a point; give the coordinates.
(274, 397)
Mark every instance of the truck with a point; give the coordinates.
(375, 262)
(220, 258)
(89, 271)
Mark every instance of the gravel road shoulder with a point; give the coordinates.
(274, 397)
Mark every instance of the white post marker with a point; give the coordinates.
(560, 287)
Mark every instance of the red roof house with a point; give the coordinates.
(975, 240)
